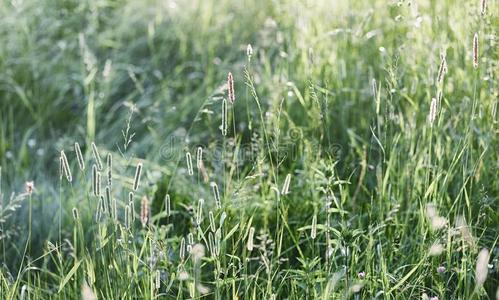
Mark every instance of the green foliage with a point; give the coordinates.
(337, 179)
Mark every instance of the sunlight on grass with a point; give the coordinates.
(249, 149)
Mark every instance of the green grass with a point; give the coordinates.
(336, 94)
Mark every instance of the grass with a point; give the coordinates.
(357, 161)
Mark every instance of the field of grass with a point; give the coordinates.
(251, 149)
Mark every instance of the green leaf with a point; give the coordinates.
(231, 232)
(70, 274)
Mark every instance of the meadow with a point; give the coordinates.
(252, 149)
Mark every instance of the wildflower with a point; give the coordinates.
(30, 186)
(361, 275)
(441, 269)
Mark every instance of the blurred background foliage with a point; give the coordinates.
(80, 70)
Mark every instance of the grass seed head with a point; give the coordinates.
(313, 231)
(87, 293)
(105, 205)
(199, 158)
(202, 289)
(483, 7)
(188, 157)
(197, 252)
(79, 157)
(442, 69)
(95, 152)
(95, 181)
(131, 204)
(216, 195)
(144, 211)
(249, 51)
(61, 168)
(199, 213)
(438, 222)
(98, 213)
(107, 193)
(75, 213)
(475, 51)
(251, 234)
(157, 281)
(481, 270)
(167, 205)
(136, 179)
(182, 249)
(24, 290)
(218, 238)
(285, 186)
(211, 244)
(109, 169)
(212, 222)
(230, 88)
(464, 230)
(128, 218)
(190, 239)
(224, 117)
(436, 249)
(65, 167)
(432, 115)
